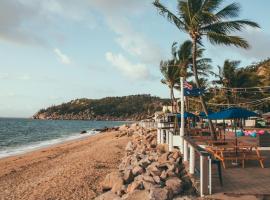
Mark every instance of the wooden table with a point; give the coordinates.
(241, 152)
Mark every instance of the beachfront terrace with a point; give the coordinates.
(250, 179)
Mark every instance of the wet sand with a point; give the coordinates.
(73, 170)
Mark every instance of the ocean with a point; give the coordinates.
(23, 135)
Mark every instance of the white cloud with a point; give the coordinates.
(62, 57)
(259, 42)
(117, 17)
(133, 42)
(4, 76)
(128, 69)
(24, 77)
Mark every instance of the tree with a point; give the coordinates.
(202, 18)
(227, 76)
(170, 77)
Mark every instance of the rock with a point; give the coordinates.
(83, 132)
(137, 195)
(176, 155)
(158, 194)
(163, 175)
(153, 170)
(163, 158)
(133, 186)
(108, 196)
(161, 148)
(156, 179)
(147, 185)
(129, 146)
(148, 179)
(175, 185)
(110, 180)
(137, 170)
(118, 187)
(153, 143)
(144, 162)
(128, 176)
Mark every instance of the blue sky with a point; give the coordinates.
(53, 51)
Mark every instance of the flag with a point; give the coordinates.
(187, 85)
(193, 92)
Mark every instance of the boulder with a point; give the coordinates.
(148, 179)
(153, 170)
(147, 185)
(133, 186)
(144, 162)
(128, 176)
(175, 155)
(175, 185)
(110, 180)
(156, 179)
(163, 175)
(108, 196)
(137, 195)
(129, 146)
(163, 158)
(83, 132)
(161, 148)
(137, 170)
(118, 187)
(158, 194)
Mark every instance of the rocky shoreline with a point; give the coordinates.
(148, 171)
(82, 116)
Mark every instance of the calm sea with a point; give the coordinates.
(22, 135)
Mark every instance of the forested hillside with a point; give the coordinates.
(134, 107)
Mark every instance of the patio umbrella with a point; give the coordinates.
(233, 113)
(187, 115)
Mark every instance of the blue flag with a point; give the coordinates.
(195, 92)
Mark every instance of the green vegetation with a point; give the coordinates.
(134, 107)
(204, 18)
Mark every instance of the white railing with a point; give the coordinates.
(204, 169)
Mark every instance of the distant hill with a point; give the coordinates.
(134, 107)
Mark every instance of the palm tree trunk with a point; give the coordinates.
(194, 65)
(172, 99)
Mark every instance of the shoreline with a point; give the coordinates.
(24, 149)
(69, 170)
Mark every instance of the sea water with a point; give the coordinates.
(23, 135)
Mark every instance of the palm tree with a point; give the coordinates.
(199, 18)
(227, 76)
(170, 77)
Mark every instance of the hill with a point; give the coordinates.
(134, 107)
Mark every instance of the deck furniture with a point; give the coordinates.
(237, 153)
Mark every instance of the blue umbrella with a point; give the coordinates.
(232, 113)
(203, 115)
(187, 115)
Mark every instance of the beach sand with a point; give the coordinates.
(73, 170)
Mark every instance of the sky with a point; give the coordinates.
(54, 51)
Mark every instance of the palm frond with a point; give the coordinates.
(169, 15)
(230, 11)
(228, 26)
(223, 39)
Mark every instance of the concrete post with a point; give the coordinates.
(204, 176)
(192, 160)
(170, 141)
(185, 151)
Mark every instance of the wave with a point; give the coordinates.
(12, 151)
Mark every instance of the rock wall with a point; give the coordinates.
(148, 171)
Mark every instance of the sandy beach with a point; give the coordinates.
(73, 170)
